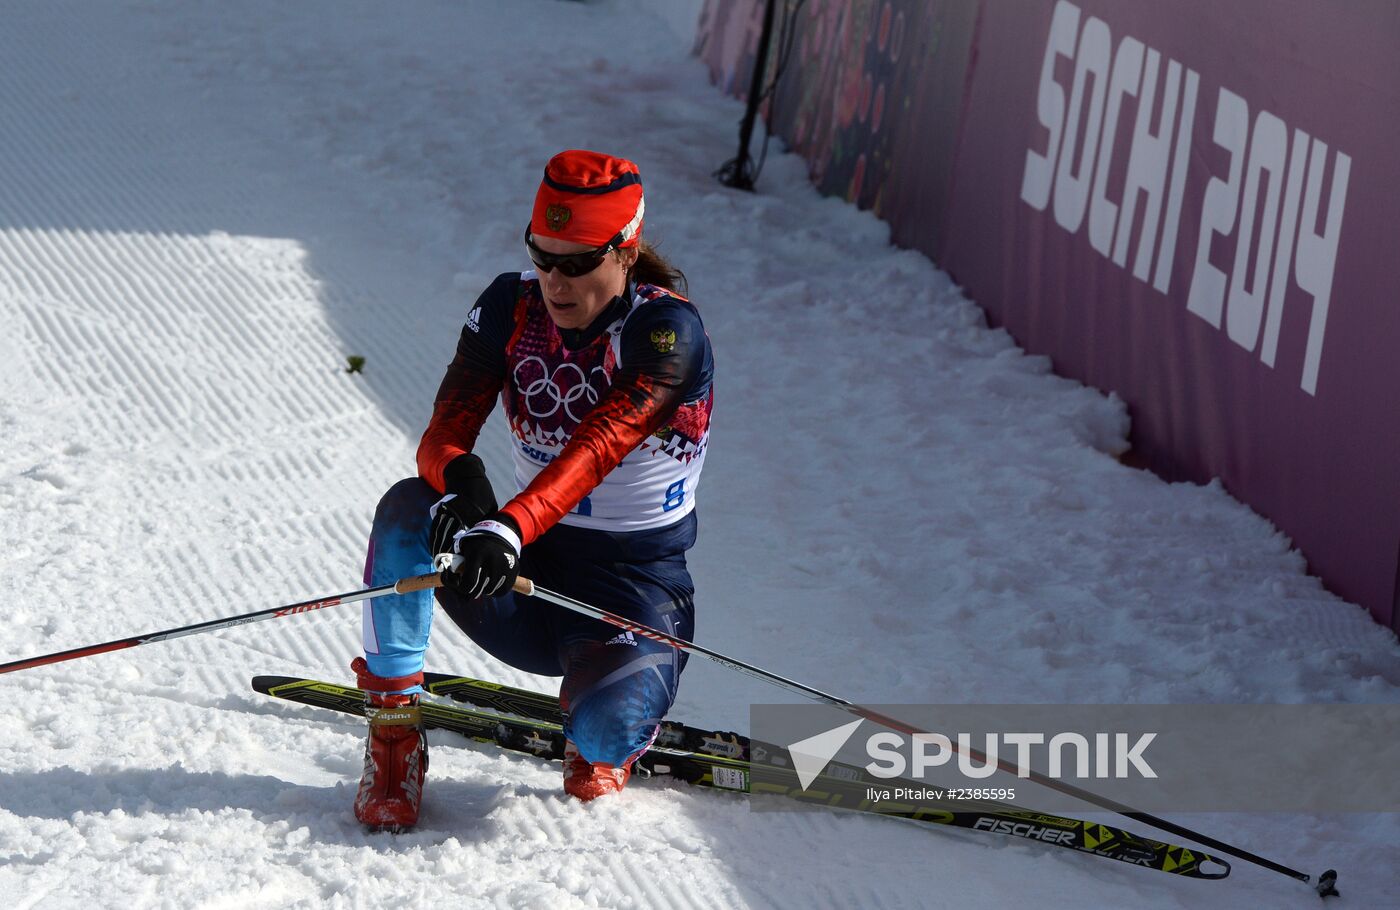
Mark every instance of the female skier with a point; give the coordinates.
(604, 372)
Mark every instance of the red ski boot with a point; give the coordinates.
(396, 755)
(589, 780)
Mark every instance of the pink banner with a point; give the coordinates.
(1191, 204)
(1194, 204)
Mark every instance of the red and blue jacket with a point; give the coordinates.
(609, 423)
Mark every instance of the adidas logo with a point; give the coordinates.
(474, 320)
(623, 638)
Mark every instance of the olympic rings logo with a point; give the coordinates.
(546, 393)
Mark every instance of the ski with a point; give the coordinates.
(539, 706)
(535, 729)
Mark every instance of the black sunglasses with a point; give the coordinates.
(571, 265)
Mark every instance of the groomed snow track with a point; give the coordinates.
(205, 206)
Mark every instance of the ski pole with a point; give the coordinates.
(1326, 882)
(1325, 886)
(402, 586)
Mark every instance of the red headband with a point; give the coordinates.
(589, 198)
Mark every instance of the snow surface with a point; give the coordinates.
(205, 206)
(682, 16)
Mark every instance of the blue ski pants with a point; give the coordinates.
(616, 687)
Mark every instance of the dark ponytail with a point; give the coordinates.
(653, 268)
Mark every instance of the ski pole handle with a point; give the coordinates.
(434, 580)
(418, 583)
(448, 562)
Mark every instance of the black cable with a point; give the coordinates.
(740, 171)
(787, 34)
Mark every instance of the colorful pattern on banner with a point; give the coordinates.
(869, 89)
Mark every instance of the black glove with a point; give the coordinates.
(469, 499)
(490, 558)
